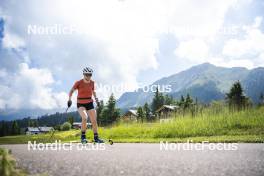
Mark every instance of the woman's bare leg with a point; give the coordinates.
(92, 116)
(83, 114)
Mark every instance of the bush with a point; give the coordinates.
(8, 164)
(65, 126)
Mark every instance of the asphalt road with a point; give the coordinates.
(141, 159)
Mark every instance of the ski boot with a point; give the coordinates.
(84, 140)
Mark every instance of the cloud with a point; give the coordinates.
(198, 19)
(30, 88)
(12, 41)
(117, 41)
(3, 73)
(251, 46)
(195, 50)
(120, 39)
(232, 63)
(199, 31)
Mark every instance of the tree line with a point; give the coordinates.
(108, 113)
(16, 127)
(235, 99)
(148, 112)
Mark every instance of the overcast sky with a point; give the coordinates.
(129, 42)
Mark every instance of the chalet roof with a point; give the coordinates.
(170, 107)
(39, 129)
(131, 111)
(80, 123)
(46, 129)
(32, 129)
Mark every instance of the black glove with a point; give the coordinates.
(97, 101)
(69, 103)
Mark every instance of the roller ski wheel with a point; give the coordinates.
(84, 141)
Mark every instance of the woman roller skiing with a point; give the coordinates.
(85, 104)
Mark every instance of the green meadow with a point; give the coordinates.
(211, 125)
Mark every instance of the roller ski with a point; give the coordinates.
(97, 140)
(100, 141)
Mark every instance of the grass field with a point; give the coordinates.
(211, 125)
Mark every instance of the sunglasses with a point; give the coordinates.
(87, 74)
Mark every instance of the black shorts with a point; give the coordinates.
(87, 106)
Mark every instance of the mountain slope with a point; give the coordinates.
(207, 82)
(253, 84)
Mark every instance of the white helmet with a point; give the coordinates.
(87, 70)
